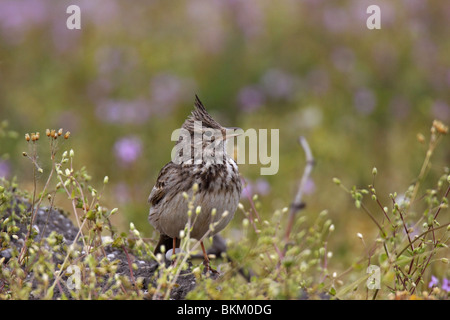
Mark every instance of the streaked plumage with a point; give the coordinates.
(219, 187)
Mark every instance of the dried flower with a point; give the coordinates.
(440, 127)
(420, 137)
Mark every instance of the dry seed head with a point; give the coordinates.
(67, 135)
(47, 132)
(27, 137)
(440, 127)
(420, 137)
(60, 132)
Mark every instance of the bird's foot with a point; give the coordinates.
(208, 268)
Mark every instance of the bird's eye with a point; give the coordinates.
(208, 133)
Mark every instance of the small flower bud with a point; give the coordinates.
(105, 180)
(374, 171)
(47, 132)
(359, 235)
(67, 135)
(337, 181)
(60, 132)
(27, 137)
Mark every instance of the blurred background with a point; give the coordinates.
(127, 79)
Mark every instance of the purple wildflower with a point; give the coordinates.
(279, 84)
(247, 190)
(440, 110)
(445, 285)
(128, 149)
(434, 282)
(167, 90)
(262, 186)
(364, 101)
(18, 17)
(310, 186)
(5, 169)
(250, 98)
(124, 111)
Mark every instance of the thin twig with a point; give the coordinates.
(131, 269)
(298, 204)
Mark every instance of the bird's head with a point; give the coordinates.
(204, 134)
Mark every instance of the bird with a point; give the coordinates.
(200, 170)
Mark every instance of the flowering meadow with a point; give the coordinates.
(373, 105)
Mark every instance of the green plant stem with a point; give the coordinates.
(422, 234)
(383, 234)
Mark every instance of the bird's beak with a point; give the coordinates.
(233, 132)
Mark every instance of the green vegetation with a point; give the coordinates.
(362, 98)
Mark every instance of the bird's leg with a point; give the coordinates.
(174, 246)
(206, 261)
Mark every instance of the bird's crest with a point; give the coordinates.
(200, 114)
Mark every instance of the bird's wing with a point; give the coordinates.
(160, 189)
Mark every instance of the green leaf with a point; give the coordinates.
(332, 291)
